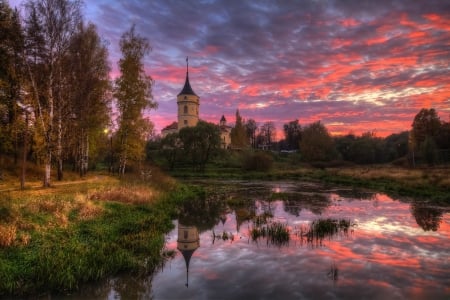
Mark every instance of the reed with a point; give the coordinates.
(327, 228)
(275, 233)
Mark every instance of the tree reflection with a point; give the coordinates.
(295, 202)
(429, 218)
(204, 213)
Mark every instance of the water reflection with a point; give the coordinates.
(372, 247)
(188, 241)
(427, 217)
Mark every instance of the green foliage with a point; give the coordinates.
(428, 150)
(170, 149)
(316, 143)
(257, 161)
(200, 143)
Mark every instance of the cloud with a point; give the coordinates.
(362, 65)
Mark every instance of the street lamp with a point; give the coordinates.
(109, 134)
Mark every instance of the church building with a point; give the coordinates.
(188, 103)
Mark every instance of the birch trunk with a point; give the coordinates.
(59, 146)
(48, 135)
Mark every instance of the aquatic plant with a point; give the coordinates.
(276, 233)
(323, 228)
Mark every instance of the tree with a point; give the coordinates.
(367, 149)
(238, 134)
(344, 145)
(250, 127)
(443, 136)
(200, 143)
(170, 148)
(87, 114)
(50, 25)
(266, 135)
(426, 123)
(396, 145)
(134, 94)
(316, 143)
(292, 134)
(11, 49)
(428, 150)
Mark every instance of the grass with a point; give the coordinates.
(54, 240)
(275, 233)
(324, 228)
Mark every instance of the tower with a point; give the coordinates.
(188, 104)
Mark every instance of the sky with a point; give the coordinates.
(356, 66)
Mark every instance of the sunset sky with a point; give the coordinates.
(356, 66)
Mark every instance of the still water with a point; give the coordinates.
(390, 248)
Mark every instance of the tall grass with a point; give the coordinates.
(320, 229)
(55, 242)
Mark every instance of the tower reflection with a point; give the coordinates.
(188, 241)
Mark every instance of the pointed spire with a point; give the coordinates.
(187, 89)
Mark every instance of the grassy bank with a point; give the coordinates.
(425, 183)
(53, 240)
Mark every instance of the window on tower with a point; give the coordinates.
(185, 109)
(185, 122)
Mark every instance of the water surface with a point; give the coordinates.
(394, 249)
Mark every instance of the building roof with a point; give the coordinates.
(187, 89)
(223, 119)
(172, 126)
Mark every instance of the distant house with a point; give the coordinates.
(188, 103)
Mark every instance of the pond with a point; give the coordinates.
(299, 240)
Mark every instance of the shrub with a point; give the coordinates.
(257, 161)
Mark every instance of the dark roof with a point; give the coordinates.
(187, 90)
(223, 119)
(172, 126)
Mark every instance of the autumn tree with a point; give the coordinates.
(238, 134)
(133, 92)
(251, 127)
(11, 48)
(87, 114)
(50, 25)
(316, 143)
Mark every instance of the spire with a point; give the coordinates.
(187, 89)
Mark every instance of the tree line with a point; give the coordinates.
(56, 96)
(427, 142)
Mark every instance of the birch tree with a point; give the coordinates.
(50, 25)
(89, 98)
(133, 93)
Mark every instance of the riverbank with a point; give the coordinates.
(428, 184)
(53, 240)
